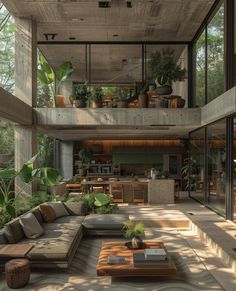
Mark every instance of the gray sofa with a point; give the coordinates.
(57, 246)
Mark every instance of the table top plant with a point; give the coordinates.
(134, 231)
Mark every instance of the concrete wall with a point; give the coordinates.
(67, 159)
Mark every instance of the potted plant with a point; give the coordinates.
(80, 95)
(121, 99)
(165, 69)
(143, 97)
(95, 98)
(53, 80)
(135, 232)
(85, 155)
(165, 174)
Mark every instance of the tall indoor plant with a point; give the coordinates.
(165, 69)
(53, 80)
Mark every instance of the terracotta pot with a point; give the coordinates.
(164, 90)
(143, 100)
(95, 105)
(122, 104)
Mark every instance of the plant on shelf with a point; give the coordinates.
(96, 97)
(54, 80)
(80, 95)
(165, 69)
(135, 232)
(121, 98)
(143, 96)
(85, 155)
(8, 197)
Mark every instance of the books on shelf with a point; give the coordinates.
(155, 254)
(140, 261)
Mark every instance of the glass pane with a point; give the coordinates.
(200, 50)
(196, 165)
(116, 64)
(216, 156)
(234, 171)
(7, 50)
(215, 56)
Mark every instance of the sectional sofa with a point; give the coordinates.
(56, 247)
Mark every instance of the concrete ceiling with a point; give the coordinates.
(162, 20)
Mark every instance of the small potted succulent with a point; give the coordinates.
(135, 232)
(95, 99)
(121, 99)
(80, 95)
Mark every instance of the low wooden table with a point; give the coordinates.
(127, 269)
(14, 251)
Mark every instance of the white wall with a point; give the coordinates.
(181, 88)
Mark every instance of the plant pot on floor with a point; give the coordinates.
(164, 90)
(143, 100)
(122, 104)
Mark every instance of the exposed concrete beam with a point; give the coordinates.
(220, 107)
(13, 109)
(118, 117)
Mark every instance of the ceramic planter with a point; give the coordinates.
(122, 104)
(164, 90)
(143, 100)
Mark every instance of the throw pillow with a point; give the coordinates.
(59, 209)
(31, 226)
(13, 231)
(76, 208)
(47, 212)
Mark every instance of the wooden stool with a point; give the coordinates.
(117, 192)
(138, 192)
(17, 273)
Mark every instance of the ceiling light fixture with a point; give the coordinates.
(104, 4)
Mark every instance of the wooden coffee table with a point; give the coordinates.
(127, 269)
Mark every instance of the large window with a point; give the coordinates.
(209, 60)
(196, 164)
(216, 159)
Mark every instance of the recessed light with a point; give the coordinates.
(81, 19)
(124, 60)
(72, 38)
(115, 35)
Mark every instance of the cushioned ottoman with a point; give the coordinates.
(104, 224)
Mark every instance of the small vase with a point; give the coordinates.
(136, 242)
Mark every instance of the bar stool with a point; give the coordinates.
(139, 191)
(117, 192)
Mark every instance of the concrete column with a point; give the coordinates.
(25, 149)
(67, 159)
(26, 91)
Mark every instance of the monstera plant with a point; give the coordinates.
(45, 176)
(53, 80)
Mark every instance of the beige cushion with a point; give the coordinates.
(13, 231)
(105, 221)
(47, 212)
(59, 209)
(31, 226)
(76, 208)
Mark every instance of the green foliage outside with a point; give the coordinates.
(215, 60)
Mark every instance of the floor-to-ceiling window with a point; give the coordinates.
(209, 81)
(216, 166)
(196, 164)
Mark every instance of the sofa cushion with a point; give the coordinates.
(37, 214)
(47, 212)
(31, 226)
(59, 209)
(54, 244)
(105, 221)
(76, 208)
(13, 231)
